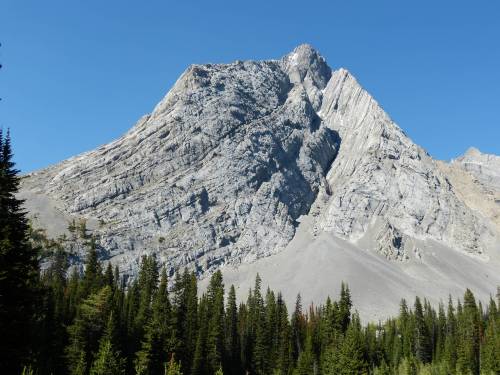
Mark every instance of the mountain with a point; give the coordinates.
(284, 163)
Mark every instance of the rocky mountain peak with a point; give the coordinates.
(235, 154)
(484, 167)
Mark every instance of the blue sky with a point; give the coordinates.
(78, 74)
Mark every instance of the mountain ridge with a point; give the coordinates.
(236, 155)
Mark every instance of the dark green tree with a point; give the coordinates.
(19, 272)
(108, 360)
(468, 344)
(345, 305)
(215, 336)
(423, 347)
(87, 329)
(231, 335)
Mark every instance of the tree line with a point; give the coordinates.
(67, 321)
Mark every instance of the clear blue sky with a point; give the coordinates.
(78, 74)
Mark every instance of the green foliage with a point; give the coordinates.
(140, 330)
(19, 271)
(173, 368)
(90, 322)
(108, 361)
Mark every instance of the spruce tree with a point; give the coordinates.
(88, 327)
(108, 360)
(185, 317)
(19, 273)
(352, 354)
(297, 328)
(215, 337)
(231, 334)
(199, 365)
(422, 338)
(306, 363)
(490, 351)
(345, 305)
(284, 343)
(258, 329)
(152, 357)
(173, 367)
(468, 336)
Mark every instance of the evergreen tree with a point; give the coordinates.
(231, 334)
(85, 332)
(383, 369)
(19, 273)
(108, 361)
(215, 338)
(199, 366)
(297, 328)
(345, 305)
(284, 344)
(258, 329)
(152, 356)
(306, 364)
(468, 336)
(422, 339)
(450, 349)
(490, 351)
(92, 277)
(185, 317)
(173, 367)
(352, 356)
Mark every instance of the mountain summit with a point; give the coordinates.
(236, 155)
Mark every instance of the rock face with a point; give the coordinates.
(219, 172)
(483, 167)
(381, 179)
(235, 154)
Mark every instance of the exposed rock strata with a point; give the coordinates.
(234, 154)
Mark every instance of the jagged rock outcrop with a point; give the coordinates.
(476, 181)
(219, 172)
(382, 180)
(484, 167)
(234, 154)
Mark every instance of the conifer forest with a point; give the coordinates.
(64, 319)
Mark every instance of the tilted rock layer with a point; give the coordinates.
(235, 154)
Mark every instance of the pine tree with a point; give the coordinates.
(51, 333)
(352, 355)
(297, 327)
(258, 329)
(405, 329)
(231, 334)
(306, 364)
(85, 332)
(199, 366)
(92, 277)
(423, 347)
(345, 305)
(185, 317)
(155, 345)
(490, 353)
(151, 357)
(108, 360)
(283, 333)
(215, 338)
(450, 349)
(109, 277)
(383, 369)
(19, 273)
(468, 336)
(173, 367)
